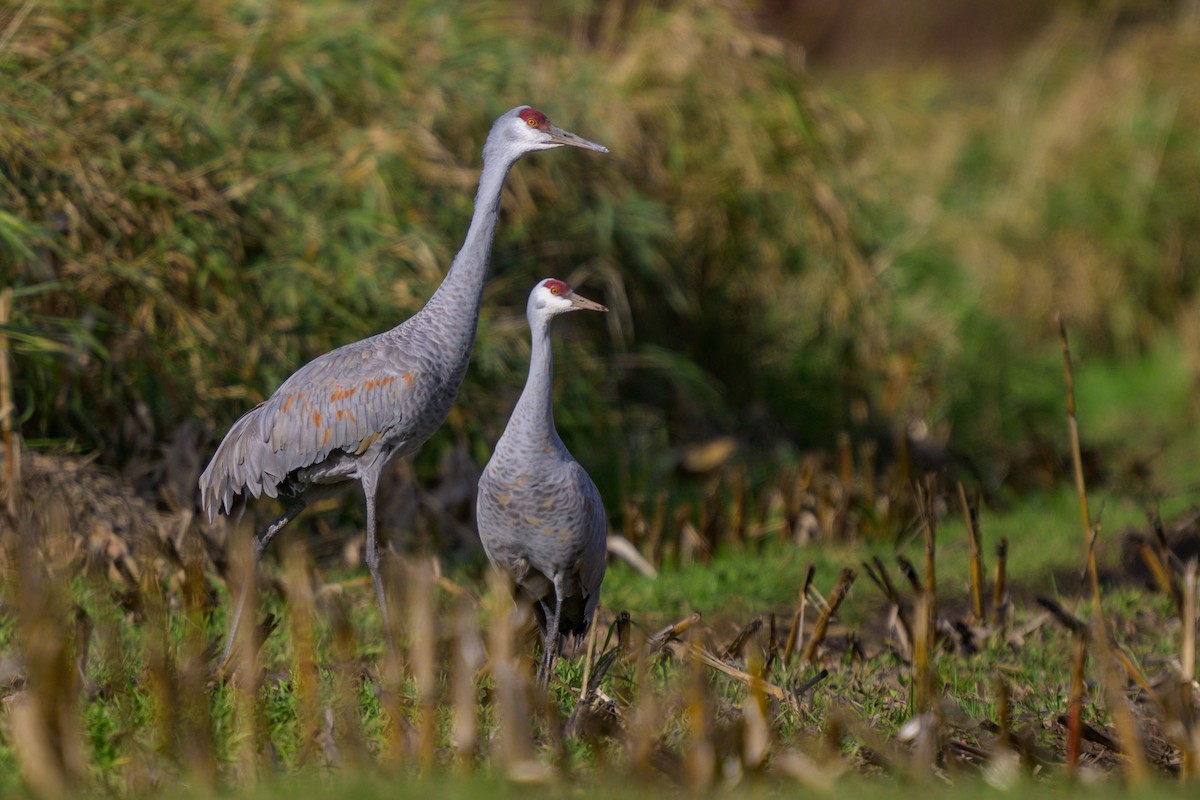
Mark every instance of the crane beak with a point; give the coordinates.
(560, 137)
(582, 303)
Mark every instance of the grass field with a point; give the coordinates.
(834, 291)
(115, 674)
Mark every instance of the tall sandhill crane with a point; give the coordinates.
(347, 413)
(540, 515)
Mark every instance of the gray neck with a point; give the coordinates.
(461, 292)
(535, 409)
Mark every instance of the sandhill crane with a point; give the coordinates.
(540, 515)
(347, 413)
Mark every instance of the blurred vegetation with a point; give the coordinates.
(196, 198)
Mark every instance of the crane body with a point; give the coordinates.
(541, 518)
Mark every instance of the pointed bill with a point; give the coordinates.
(559, 136)
(582, 303)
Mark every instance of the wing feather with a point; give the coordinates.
(344, 400)
(594, 527)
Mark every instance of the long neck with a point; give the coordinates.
(461, 292)
(535, 409)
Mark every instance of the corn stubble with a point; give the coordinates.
(696, 704)
(111, 681)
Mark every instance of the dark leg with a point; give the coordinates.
(373, 556)
(550, 643)
(261, 540)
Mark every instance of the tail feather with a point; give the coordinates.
(240, 466)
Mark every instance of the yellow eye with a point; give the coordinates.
(553, 290)
(532, 122)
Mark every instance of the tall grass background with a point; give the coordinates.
(863, 260)
(198, 198)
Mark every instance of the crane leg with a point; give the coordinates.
(550, 644)
(261, 540)
(372, 558)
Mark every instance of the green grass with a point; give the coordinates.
(732, 587)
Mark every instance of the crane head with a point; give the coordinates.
(552, 297)
(524, 130)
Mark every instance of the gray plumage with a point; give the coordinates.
(347, 413)
(540, 515)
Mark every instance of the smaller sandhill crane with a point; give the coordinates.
(540, 516)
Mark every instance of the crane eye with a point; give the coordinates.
(553, 290)
(533, 123)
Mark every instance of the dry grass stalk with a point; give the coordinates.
(845, 461)
(1077, 462)
(772, 640)
(840, 589)
(468, 658)
(12, 444)
(193, 658)
(422, 596)
(1003, 712)
(922, 654)
(633, 519)
(900, 617)
(974, 539)
(925, 501)
(244, 660)
(342, 738)
(1000, 585)
(1187, 656)
(158, 664)
(735, 648)
(1164, 578)
(1114, 693)
(298, 590)
(925, 614)
(711, 523)
(672, 631)
(682, 650)
(1131, 668)
(1075, 704)
(909, 570)
(757, 739)
(692, 546)
(796, 631)
(737, 523)
(589, 654)
(511, 681)
(45, 730)
(1113, 683)
(646, 719)
(396, 746)
(658, 524)
(868, 452)
(700, 758)
(1190, 733)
